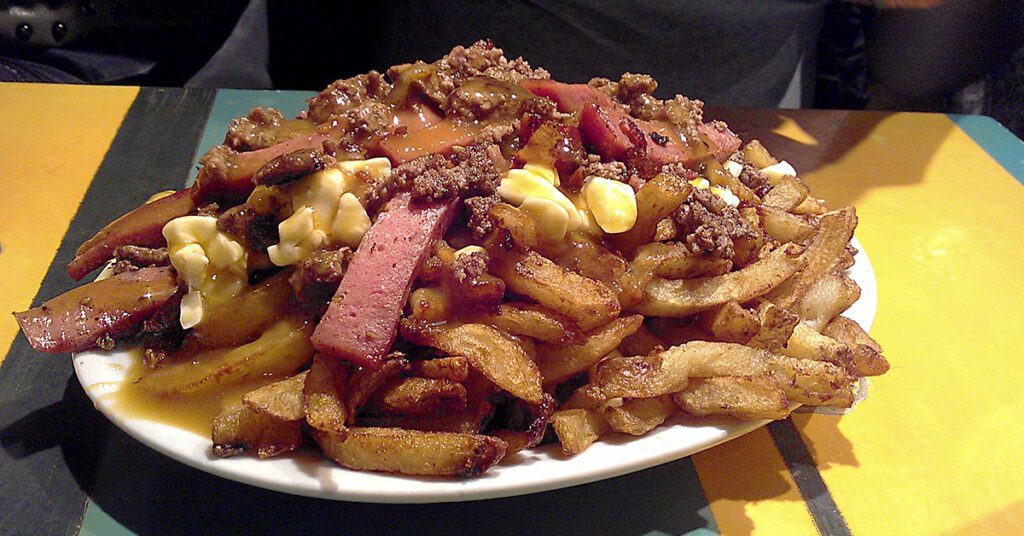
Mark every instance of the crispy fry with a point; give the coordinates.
(807, 343)
(813, 383)
(684, 297)
(586, 257)
(783, 226)
(412, 452)
(787, 194)
(828, 244)
(587, 302)
(867, 354)
(420, 396)
(452, 368)
(240, 427)
(527, 424)
(775, 326)
(743, 397)
(577, 429)
(810, 206)
(757, 155)
(559, 363)
(430, 304)
(826, 299)
(671, 261)
(323, 395)
(281, 400)
(641, 342)
(364, 382)
(638, 416)
(280, 351)
(535, 321)
(729, 322)
(496, 356)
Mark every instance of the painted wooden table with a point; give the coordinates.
(935, 449)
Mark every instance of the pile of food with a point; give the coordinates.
(429, 270)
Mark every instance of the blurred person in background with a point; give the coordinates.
(881, 54)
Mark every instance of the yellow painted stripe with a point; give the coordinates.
(936, 448)
(51, 144)
(750, 490)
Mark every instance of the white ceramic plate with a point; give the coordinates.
(532, 471)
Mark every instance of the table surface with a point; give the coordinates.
(935, 449)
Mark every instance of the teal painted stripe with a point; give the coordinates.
(99, 523)
(996, 140)
(232, 103)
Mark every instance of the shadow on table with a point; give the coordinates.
(844, 154)
(149, 493)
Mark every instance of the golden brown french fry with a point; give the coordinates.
(587, 302)
(280, 351)
(452, 368)
(669, 371)
(519, 226)
(742, 397)
(497, 357)
(729, 322)
(757, 155)
(577, 429)
(637, 416)
(536, 321)
(641, 342)
(826, 298)
(365, 382)
(807, 343)
(783, 226)
(671, 261)
(656, 200)
(559, 363)
(867, 354)
(588, 396)
(667, 230)
(810, 206)
(420, 396)
(787, 194)
(585, 256)
(834, 232)
(718, 176)
(412, 452)
(813, 383)
(675, 331)
(430, 303)
(683, 297)
(323, 395)
(526, 424)
(239, 427)
(263, 304)
(282, 400)
(775, 326)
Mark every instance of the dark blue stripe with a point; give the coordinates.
(996, 140)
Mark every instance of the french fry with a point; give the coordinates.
(518, 225)
(655, 201)
(411, 452)
(452, 368)
(638, 416)
(786, 194)
(810, 206)
(743, 397)
(587, 302)
(420, 396)
(526, 425)
(826, 299)
(783, 226)
(718, 176)
(775, 326)
(867, 354)
(828, 244)
(263, 304)
(577, 429)
(669, 371)
(280, 351)
(364, 382)
(757, 155)
(588, 396)
(583, 255)
(240, 427)
(497, 357)
(641, 342)
(813, 383)
(323, 395)
(807, 343)
(281, 400)
(534, 321)
(430, 303)
(559, 363)
(672, 261)
(683, 297)
(729, 322)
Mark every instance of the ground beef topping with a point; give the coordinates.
(317, 278)
(258, 130)
(347, 93)
(751, 177)
(479, 209)
(291, 166)
(130, 258)
(708, 226)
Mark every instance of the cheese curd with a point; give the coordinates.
(724, 193)
(777, 171)
(213, 265)
(612, 204)
(533, 189)
(325, 212)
